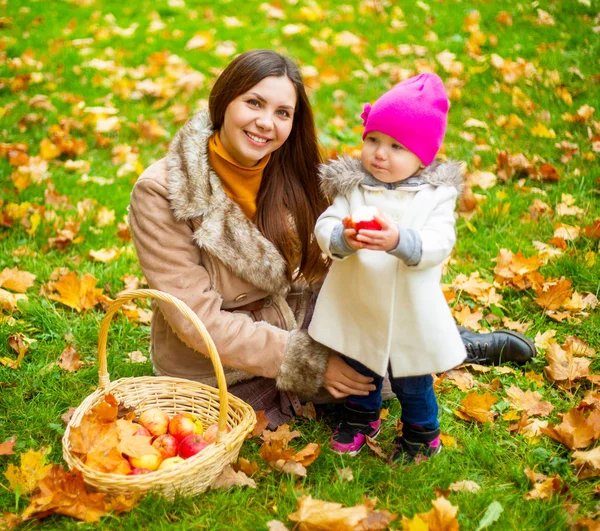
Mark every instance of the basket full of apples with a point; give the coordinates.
(162, 434)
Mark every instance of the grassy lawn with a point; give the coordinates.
(106, 85)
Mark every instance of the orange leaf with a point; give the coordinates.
(78, 294)
(441, 518)
(477, 407)
(247, 467)
(308, 454)
(262, 422)
(282, 434)
(530, 401)
(6, 448)
(136, 446)
(575, 431)
(552, 296)
(69, 360)
(563, 366)
(15, 280)
(109, 461)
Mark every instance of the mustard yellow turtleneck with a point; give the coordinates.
(241, 183)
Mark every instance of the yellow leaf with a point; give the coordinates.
(48, 150)
(79, 294)
(27, 476)
(540, 130)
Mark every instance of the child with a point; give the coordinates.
(381, 305)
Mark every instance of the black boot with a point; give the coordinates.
(498, 347)
(416, 444)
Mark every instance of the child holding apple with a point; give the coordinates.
(388, 230)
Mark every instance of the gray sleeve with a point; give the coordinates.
(409, 247)
(338, 245)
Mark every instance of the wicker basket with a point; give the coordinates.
(173, 395)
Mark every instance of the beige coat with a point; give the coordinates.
(193, 242)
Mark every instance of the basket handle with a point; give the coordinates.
(126, 296)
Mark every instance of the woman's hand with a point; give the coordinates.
(342, 380)
(385, 239)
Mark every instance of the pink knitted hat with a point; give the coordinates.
(414, 112)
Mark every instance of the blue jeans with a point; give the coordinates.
(415, 394)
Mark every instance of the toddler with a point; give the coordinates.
(381, 305)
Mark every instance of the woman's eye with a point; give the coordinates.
(283, 113)
(254, 103)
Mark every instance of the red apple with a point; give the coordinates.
(149, 461)
(166, 444)
(155, 420)
(138, 471)
(143, 431)
(191, 445)
(183, 425)
(171, 461)
(363, 218)
(211, 432)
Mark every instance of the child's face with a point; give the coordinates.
(388, 160)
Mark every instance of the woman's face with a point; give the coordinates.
(259, 121)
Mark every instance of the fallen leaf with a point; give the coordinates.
(262, 422)
(79, 294)
(477, 407)
(6, 448)
(289, 466)
(447, 440)
(136, 356)
(15, 280)
(314, 515)
(562, 366)
(376, 448)
(441, 518)
(551, 296)
(461, 378)
(18, 342)
(530, 401)
(230, 478)
(276, 525)
(69, 360)
(576, 430)
(32, 469)
(591, 458)
(247, 467)
(492, 514)
(466, 485)
(345, 474)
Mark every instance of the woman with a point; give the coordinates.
(225, 224)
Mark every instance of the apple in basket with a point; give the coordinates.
(166, 444)
(149, 461)
(191, 445)
(211, 432)
(155, 420)
(143, 432)
(184, 424)
(139, 471)
(170, 462)
(363, 218)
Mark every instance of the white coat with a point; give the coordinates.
(372, 306)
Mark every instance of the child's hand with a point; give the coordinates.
(385, 239)
(350, 234)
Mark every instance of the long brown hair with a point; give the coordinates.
(289, 186)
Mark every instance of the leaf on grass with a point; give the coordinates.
(447, 440)
(562, 366)
(250, 468)
(309, 411)
(345, 474)
(79, 294)
(492, 514)
(136, 356)
(230, 478)
(69, 360)
(530, 428)
(465, 485)
(64, 492)
(308, 455)
(546, 339)
(27, 476)
(529, 401)
(576, 430)
(66, 417)
(442, 517)
(577, 347)
(319, 515)
(551, 296)
(477, 407)
(545, 489)
(6, 448)
(19, 343)
(461, 378)
(262, 422)
(591, 458)
(375, 447)
(289, 466)
(15, 280)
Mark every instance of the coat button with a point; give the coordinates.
(268, 302)
(241, 297)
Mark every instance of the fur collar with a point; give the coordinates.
(195, 191)
(341, 176)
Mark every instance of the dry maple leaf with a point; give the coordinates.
(553, 294)
(461, 378)
(15, 280)
(79, 294)
(318, 515)
(578, 348)
(477, 407)
(6, 448)
(375, 447)
(282, 433)
(64, 492)
(562, 366)
(467, 317)
(576, 430)
(465, 485)
(545, 489)
(250, 468)
(591, 458)
(230, 478)
(31, 470)
(69, 360)
(136, 446)
(530, 401)
(262, 422)
(441, 518)
(18, 343)
(109, 461)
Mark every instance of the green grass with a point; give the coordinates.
(33, 398)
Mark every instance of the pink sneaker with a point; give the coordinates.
(351, 434)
